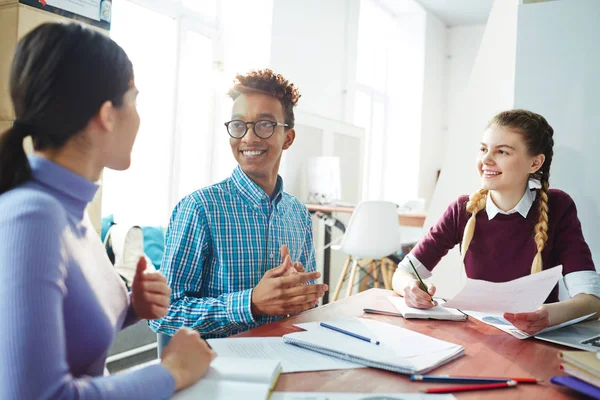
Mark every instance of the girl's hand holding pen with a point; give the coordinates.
(416, 297)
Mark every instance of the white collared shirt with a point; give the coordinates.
(522, 207)
(575, 282)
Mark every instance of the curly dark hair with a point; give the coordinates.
(268, 82)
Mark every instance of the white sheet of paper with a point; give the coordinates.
(357, 396)
(292, 358)
(498, 321)
(525, 294)
(233, 378)
(437, 312)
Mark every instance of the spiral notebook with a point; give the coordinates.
(400, 350)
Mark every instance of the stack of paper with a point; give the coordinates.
(584, 365)
(401, 350)
(234, 378)
(437, 312)
(584, 370)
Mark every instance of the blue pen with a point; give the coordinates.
(345, 332)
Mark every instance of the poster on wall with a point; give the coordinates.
(93, 12)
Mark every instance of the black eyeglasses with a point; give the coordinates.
(263, 128)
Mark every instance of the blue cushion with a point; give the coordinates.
(154, 244)
(107, 222)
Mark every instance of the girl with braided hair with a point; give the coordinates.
(513, 226)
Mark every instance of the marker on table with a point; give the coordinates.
(467, 388)
(420, 280)
(468, 379)
(345, 332)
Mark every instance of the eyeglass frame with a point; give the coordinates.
(253, 123)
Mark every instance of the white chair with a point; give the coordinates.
(373, 233)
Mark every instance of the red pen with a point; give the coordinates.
(466, 388)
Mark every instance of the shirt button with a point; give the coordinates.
(271, 255)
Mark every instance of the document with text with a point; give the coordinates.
(525, 294)
(292, 358)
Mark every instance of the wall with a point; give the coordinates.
(434, 89)
(310, 47)
(464, 42)
(557, 76)
(490, 90)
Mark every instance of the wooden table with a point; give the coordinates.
(405, 218)
(488, 352)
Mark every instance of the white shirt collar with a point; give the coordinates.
(522, 206)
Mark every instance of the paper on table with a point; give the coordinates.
(498, 321)
(234, 378)
(437, 312)
(357, 396)
(525, 294)
(292, 358)
(400, 350)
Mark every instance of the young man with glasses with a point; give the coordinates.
(239, 254)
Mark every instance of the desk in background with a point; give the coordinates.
(488, 352)
(405, 218)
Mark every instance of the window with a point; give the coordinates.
(185, 54)
(391, 131)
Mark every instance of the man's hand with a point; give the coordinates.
(283, 290)
(530, 322)
(284, 252)
(149, 293)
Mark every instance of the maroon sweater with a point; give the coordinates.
(503, 248)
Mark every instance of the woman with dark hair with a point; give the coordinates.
(62, 303)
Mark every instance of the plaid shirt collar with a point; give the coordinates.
(251, 192)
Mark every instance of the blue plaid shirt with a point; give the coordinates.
(220, 242)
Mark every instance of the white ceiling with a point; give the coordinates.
(451, 12)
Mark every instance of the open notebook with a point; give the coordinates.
(234, 378)
(401, 350)
(437, 312)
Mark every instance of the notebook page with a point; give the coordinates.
(224, 390)
(292, 358)
(437, 312)
(397, 345)
(242, 369)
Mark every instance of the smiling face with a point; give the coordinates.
(504, 164)
(259, 158)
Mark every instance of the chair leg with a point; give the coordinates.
(350, 283)
(338, 287)
(375, 268)
(385, 273)
(365, 280)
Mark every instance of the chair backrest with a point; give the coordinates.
(373, 230)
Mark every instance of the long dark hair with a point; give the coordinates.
(61, 75)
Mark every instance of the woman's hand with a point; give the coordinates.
(415, 297)
(149, 293)
(187, 357)
(530, 322)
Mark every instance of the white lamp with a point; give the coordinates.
(324, 182)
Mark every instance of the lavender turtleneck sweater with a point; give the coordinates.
(61, 303)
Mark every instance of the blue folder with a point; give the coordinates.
(577, 385)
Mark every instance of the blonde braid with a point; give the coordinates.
(475, 204)
(541, 228)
